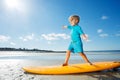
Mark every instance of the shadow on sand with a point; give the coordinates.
(105, 75)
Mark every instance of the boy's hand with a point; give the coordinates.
(85, 37)
(64, 27)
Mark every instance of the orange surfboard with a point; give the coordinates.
(72, 68)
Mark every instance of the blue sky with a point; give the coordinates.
(38, 23)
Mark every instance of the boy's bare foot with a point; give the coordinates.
(65, 64)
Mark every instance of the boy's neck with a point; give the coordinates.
(75, 25)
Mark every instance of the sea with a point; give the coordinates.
(49, 58)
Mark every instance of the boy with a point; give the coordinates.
(76, 43)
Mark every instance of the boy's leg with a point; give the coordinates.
(85, 58)
(67, 58)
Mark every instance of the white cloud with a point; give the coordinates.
(99, 30)
(4, 38)
(27, 37)
(103, 35)
(118, 35)
(104, 17)
(53, 36)
(12, 43)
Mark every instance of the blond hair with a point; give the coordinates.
(74, 17)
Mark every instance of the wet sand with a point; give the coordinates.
(12, 70)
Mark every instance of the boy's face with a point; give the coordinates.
(73, 21)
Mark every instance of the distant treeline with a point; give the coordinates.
(25, 49)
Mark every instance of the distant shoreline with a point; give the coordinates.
(38, 50)
(25, 49)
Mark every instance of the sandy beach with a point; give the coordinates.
(12, 70)
(11, 64)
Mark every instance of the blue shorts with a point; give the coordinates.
(76, 47)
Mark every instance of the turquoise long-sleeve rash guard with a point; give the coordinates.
(76, 31)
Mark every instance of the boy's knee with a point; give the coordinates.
(82, 54)
(68, 51)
